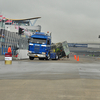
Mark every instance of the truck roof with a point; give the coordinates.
(41, 35)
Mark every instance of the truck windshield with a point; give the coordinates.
(37, 40)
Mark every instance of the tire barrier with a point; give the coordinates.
(8, 58)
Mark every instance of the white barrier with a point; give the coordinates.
(22, 54)
(93, 45)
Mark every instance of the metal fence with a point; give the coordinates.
(12, 39)
(4, 50)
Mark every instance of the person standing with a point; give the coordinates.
(9, 50)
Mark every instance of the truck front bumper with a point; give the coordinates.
(36, 55)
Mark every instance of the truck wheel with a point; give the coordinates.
(48, 57)
(41, 58)
(31, 58)
(67, 56)
(57, 57)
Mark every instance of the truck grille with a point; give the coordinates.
(37, 49)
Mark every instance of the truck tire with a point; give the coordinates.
(31, 58)
(67, 56)
(48, 57)
(57, 57)
(41, 58)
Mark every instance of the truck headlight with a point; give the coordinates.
(43, 52)
(29, 51)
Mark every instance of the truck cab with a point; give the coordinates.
(39, 46)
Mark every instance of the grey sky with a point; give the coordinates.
(71, 20)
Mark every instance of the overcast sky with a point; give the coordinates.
(68, 20)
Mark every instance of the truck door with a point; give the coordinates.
(48, 45)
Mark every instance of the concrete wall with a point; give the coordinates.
(93, 45)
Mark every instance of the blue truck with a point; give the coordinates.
(40, 46)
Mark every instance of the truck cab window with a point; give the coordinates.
(37, 40)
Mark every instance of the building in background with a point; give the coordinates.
(10, 35)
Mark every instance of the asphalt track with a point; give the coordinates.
(61, 69)
(65, 79)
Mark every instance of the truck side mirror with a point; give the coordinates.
(28, 40)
